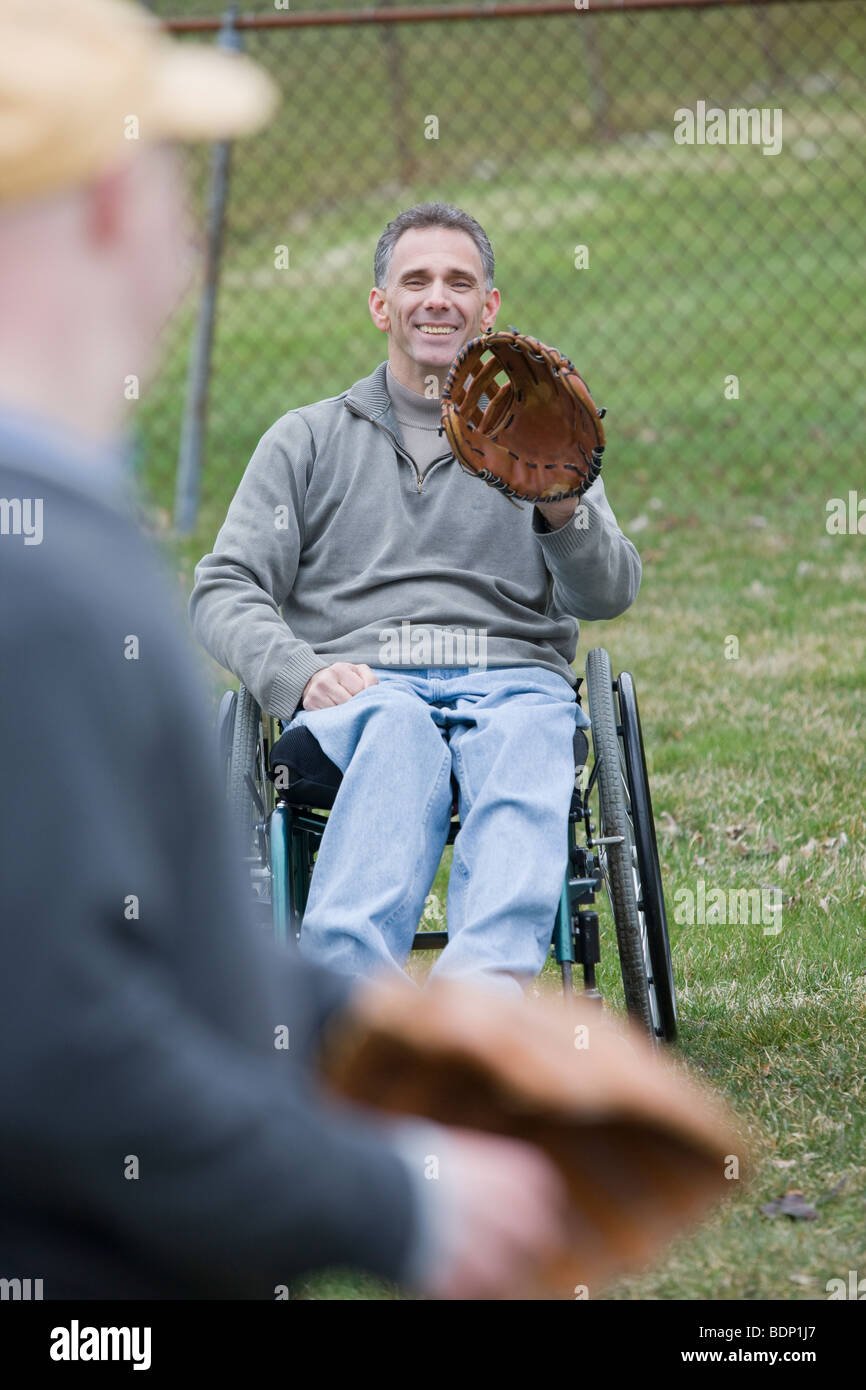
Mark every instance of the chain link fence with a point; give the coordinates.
(676, 199)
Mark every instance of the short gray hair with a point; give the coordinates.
(431, 215)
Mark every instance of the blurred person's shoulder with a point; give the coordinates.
(77, 576)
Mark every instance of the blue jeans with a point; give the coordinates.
(507, 735)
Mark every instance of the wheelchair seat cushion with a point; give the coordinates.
(580, 744)
(313, 780)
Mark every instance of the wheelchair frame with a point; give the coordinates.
(282, 838)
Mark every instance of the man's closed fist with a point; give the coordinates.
(337, 684)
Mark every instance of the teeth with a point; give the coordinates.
(443, 330)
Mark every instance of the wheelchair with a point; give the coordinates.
(280, 787)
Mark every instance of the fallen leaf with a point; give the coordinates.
(783, 865)
(793, 1204)
(808, 849)
(784, 1162)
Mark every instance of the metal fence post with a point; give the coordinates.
(194, 422)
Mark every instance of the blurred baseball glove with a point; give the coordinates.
(539, 437)
(642, 1147)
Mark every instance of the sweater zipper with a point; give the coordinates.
(400, 450)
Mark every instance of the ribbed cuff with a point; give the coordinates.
(288, 686)
(571, 537)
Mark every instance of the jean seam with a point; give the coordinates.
(457, 892)
(466, 793)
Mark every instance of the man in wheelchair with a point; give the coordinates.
(422, 629)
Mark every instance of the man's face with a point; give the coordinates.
(433, 303)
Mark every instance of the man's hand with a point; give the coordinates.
(558, 514)
(337, 684)
(508, 1212)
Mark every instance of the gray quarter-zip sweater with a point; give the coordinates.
(335, 539)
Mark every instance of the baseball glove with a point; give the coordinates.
(539, 437)
(641, 1146)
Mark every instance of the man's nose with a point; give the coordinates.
(437, 296)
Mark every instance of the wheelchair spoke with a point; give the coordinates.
(255, 794)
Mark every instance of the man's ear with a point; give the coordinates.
(378, 312)
(491, 309)
(108, 204)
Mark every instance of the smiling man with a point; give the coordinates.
(422, 628)
(431, 296)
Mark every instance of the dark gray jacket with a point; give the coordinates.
(155, 1142)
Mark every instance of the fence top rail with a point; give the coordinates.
(424, 14)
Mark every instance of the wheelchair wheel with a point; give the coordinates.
(251, 798)
(249, 790)
(225, 728)
(242, 767)
(652, 898)
(627, 851)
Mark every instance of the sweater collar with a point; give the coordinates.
(370, 397)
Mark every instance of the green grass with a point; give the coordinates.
(744, 265)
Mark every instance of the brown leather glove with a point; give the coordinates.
(540, 436)
(641, 1145)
